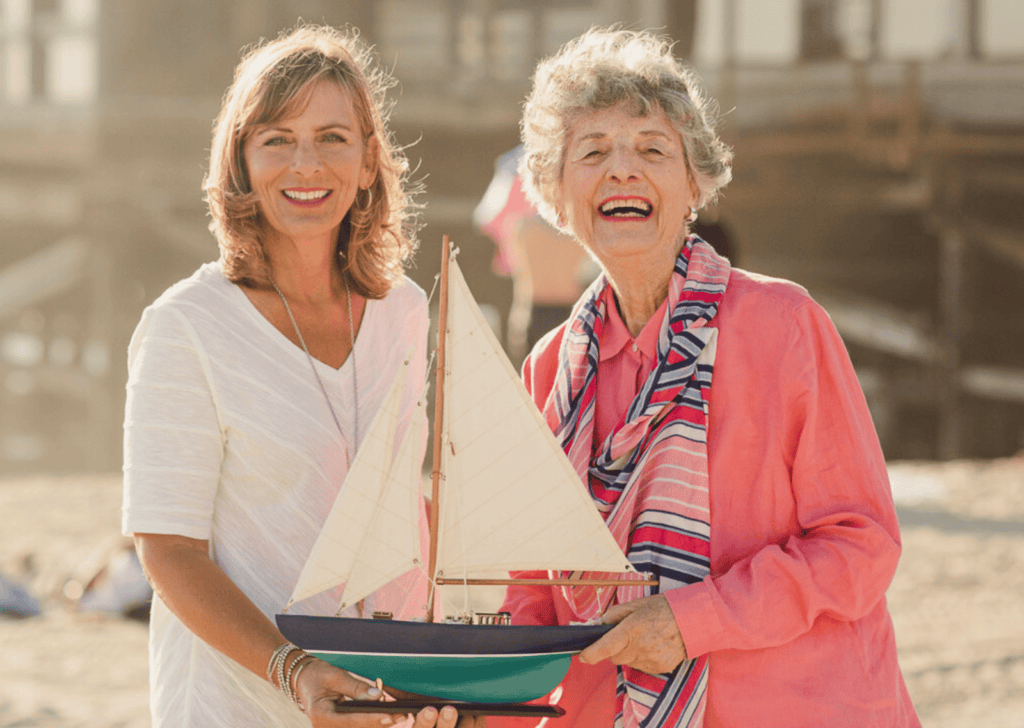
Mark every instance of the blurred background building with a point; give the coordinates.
(879, 162)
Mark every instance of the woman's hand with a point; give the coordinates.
(646, 637)
(320, 685)
(448, 718)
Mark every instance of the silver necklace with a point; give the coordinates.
(352, 353)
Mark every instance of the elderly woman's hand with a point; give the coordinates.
(645, 637)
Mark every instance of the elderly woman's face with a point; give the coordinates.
(626, 190)
(307, 169)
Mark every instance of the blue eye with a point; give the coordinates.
(274, 141)
(334, 138)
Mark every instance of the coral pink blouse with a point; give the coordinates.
(804, 537)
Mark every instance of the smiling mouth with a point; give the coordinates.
(306, 195)
(635, 208)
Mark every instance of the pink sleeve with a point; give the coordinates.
(841, 551)
(530, 604)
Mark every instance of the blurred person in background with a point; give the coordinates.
(717, 421)
(252, 382)
(548, 268)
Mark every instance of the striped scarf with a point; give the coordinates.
(650, 477)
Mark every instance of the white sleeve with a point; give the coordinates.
(172, 438)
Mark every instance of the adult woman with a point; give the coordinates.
(716, 418)
(252, 382)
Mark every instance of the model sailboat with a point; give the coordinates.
(505, 498)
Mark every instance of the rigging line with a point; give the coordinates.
(430, 297)
(430, 592)
(426, 379)
(433, 352)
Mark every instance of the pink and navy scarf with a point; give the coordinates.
(649, 479)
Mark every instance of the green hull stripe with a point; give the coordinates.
(477, 678)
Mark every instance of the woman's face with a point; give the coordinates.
(625, 190)
(307, 169)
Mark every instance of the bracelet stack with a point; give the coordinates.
(286, 663)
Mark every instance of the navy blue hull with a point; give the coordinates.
(382, 636)
(459, 662)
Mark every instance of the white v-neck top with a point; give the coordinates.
(228, 438)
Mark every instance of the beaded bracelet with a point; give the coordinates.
(295, 678)
(278, 664)
(282, 680)
(287, 670)
(286, 686)
(280, 672)
(279, 653)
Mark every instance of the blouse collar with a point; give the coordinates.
(615, 337)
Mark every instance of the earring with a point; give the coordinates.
(369, 198)
(562, 221)
(692, 218)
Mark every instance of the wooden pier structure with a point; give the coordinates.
(891, 187)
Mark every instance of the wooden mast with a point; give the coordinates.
(435, 494)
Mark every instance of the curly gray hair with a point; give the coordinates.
(599, 69)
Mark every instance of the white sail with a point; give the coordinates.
(510, 498)
(391, 546)
(371, 535)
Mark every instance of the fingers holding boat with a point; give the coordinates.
(448, 717)
(326, 679)
(321, 685)
(429, 717)
(614, 641)
(646, 637)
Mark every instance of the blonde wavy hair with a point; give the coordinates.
(272, 82)
(598, 70)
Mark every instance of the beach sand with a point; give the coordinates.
(956, 600)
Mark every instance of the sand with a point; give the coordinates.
(956, 600)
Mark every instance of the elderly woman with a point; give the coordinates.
(252, 382)
(718, 423)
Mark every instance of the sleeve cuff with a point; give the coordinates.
(693, 607)
(136, 523)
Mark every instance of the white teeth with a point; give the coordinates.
(306, 196)
(627, 207)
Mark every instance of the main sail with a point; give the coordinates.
(371, 535)
(510, 499)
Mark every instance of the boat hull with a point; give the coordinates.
(470, 678)
(459, 662)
